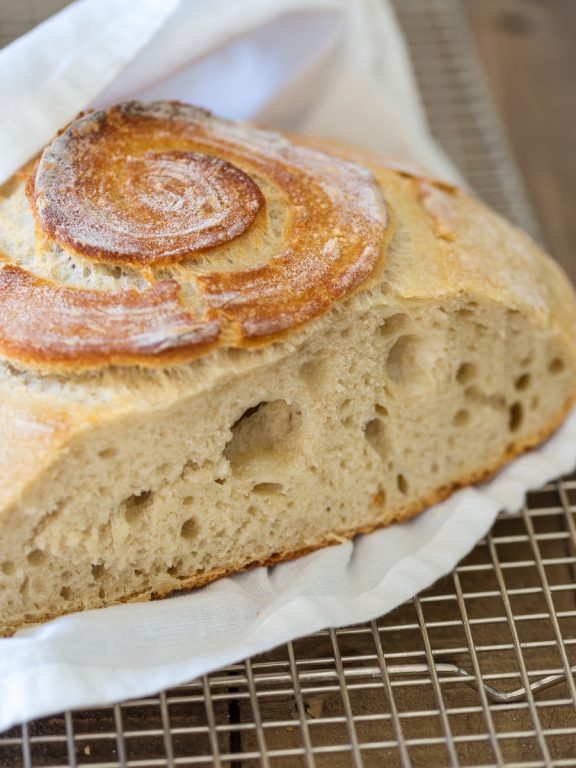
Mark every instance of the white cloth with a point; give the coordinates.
(332, 67)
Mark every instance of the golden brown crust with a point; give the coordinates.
(40, 322)
(144, 186)
(98, 192)
(334, 538)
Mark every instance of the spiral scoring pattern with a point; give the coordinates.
(154, 208)
(145, 186)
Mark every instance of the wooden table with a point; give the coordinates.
(528, 48)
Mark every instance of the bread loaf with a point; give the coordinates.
(222, 347)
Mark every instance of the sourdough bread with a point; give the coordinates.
(221, 347)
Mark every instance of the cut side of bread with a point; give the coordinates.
(128, 483)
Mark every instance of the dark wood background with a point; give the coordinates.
(528, 48)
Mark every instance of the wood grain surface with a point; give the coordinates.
(528, 48)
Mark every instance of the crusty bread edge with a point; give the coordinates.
(513, 450)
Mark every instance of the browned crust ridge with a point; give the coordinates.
(41, 322)
(144, 186)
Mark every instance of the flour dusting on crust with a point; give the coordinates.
(278, 231)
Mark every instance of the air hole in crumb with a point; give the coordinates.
(220, 480)
(556, 365)
(312, 371)
(408, 365)
(379, 498)
(98, 571)
(402, 484)
(461, 418)
(515, 416)
(267, 488)
(380, 409)
(188, 501)
(375, 434)
(523, 382)
(535, 402)
(466, 373)
(107, 453)
(464, 312)
(235, 352)
(189, 529)
(172, 571)
(346, 419)
(36, 557)
(65, 593)
(101, 593)
(392, 325)
(134, 505)
(7, 568)
(266, 431)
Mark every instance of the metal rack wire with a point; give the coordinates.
(478, 671)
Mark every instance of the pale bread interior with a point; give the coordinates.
(126, 483)
(382, 413)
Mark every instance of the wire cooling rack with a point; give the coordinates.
(477, 671)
